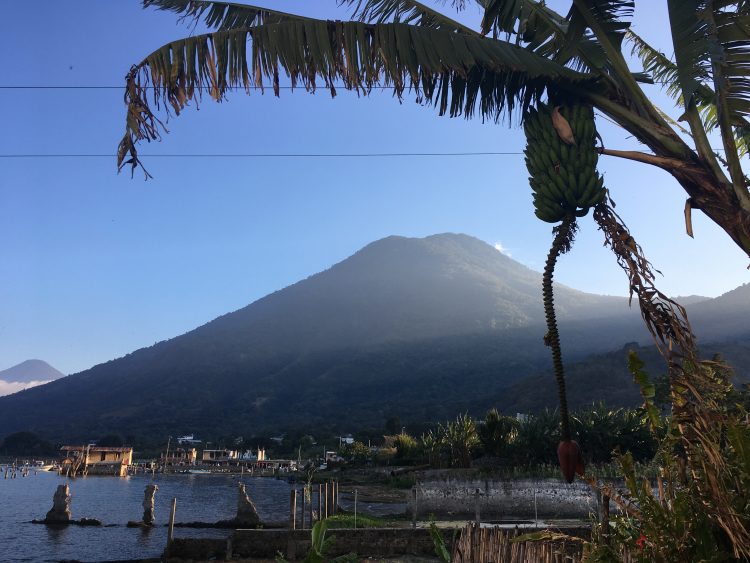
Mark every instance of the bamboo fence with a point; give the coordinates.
(494, 545)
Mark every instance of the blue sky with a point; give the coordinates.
(94, 265)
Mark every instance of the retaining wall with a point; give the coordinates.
(446, 496)
(262, 544)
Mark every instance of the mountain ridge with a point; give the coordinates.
(31, 370)
(419, 322)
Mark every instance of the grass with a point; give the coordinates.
(347, 521)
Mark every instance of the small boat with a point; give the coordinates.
(198, 471)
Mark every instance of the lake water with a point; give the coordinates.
(114, 501)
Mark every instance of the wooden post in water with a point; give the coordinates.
(605, 518)
(325, 507)
(333, 496)
(293, 509)
(302, 511)
(170, 531)
(290, 544)
(320, 501)
(476, 507)
(336, 503)
(311, 504)
(414, 509)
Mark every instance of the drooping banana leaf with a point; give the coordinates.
(457, 73)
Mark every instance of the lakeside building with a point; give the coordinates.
(284, 465)
(219, 456)
(346, 439)
(248, 455)
(332, 456)
(96, 460)
(180, 456)
(188, 439)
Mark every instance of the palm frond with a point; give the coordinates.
(219, 15)
(403, 11)
(608, 19)
(712, 45)
(690, 46)
(664, 72)
(661, 68)
(706, 43)
(730, 56)
(542, 30)
(458, 74)
(728, 35)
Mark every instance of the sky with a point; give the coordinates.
(94, 265)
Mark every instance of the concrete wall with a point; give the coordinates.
(451, 496)
(371, 542)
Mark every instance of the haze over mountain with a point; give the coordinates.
(413, 327)
(29, 373)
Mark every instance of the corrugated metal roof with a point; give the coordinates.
(95, 449)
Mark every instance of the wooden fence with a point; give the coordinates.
(494, 545)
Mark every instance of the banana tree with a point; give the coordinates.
(523, 52)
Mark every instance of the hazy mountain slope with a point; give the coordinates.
(605, 377)
(405, 326)
(31, 370)
(725, 318)
(29, 373)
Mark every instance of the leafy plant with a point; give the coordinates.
(460, 439)
(498, 433)
(441, 550)
(320, 546)
(694, 513)
(406, 446)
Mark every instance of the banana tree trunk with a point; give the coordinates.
(703, 179)
(717, 200)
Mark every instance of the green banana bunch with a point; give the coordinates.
(561, 158)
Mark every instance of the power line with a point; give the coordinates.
(270, 155)
(252, 87)
(122, 87)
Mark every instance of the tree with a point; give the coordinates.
(406, 446)
(27, 444)
(357, 453)
(110, 440)
(431, 445)
(393, 425)
(602, 430)
(498, 433)
(533, 52)
(460, 439)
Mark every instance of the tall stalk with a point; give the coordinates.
(564, 236)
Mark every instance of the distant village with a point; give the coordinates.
(184, 457)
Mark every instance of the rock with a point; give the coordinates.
(148, 504)
(247, 514)
(87, 522)
(60, 511)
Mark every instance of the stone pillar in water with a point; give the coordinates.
(148, 504)
(60, 512)
(247, 514)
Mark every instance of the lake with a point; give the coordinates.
(114, 501)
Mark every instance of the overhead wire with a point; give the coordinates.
(269, 155)
(247, 155)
